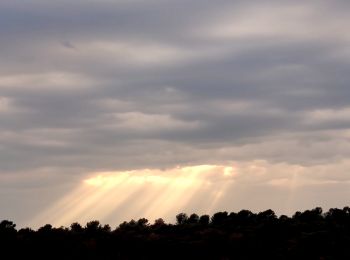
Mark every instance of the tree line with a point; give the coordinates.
(312, 234)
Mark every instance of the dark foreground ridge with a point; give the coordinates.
(244, 235)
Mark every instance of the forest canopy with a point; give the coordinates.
(312, 234)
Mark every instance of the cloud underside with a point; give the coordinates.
(94, 86)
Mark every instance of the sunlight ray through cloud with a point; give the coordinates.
(117, 196)
(155, 193)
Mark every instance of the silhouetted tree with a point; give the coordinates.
(142, 222)
(181, 218)
(245, 216)
(159, 222)
(106, 228)
(310, 215)
(193, 219)
(204, 220)
(45, 229)
(267, 215)
(219, 218)
(93, 227)
(7, 225)
(76, 227)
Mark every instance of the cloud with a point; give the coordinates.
(252, 85)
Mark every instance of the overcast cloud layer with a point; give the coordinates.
(89, 86)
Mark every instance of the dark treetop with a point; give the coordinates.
(311, 234)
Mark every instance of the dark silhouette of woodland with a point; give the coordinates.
(311, 234)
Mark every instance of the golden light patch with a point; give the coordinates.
(150, 193)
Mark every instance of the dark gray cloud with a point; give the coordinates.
(204, 73)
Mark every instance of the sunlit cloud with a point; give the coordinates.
(130, 53)
(142, 122)
(285, 21)
(59, 81)
(5, 105)
(328, 115)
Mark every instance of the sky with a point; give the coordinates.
(117, 110)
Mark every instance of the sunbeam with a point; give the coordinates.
(140, 193)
